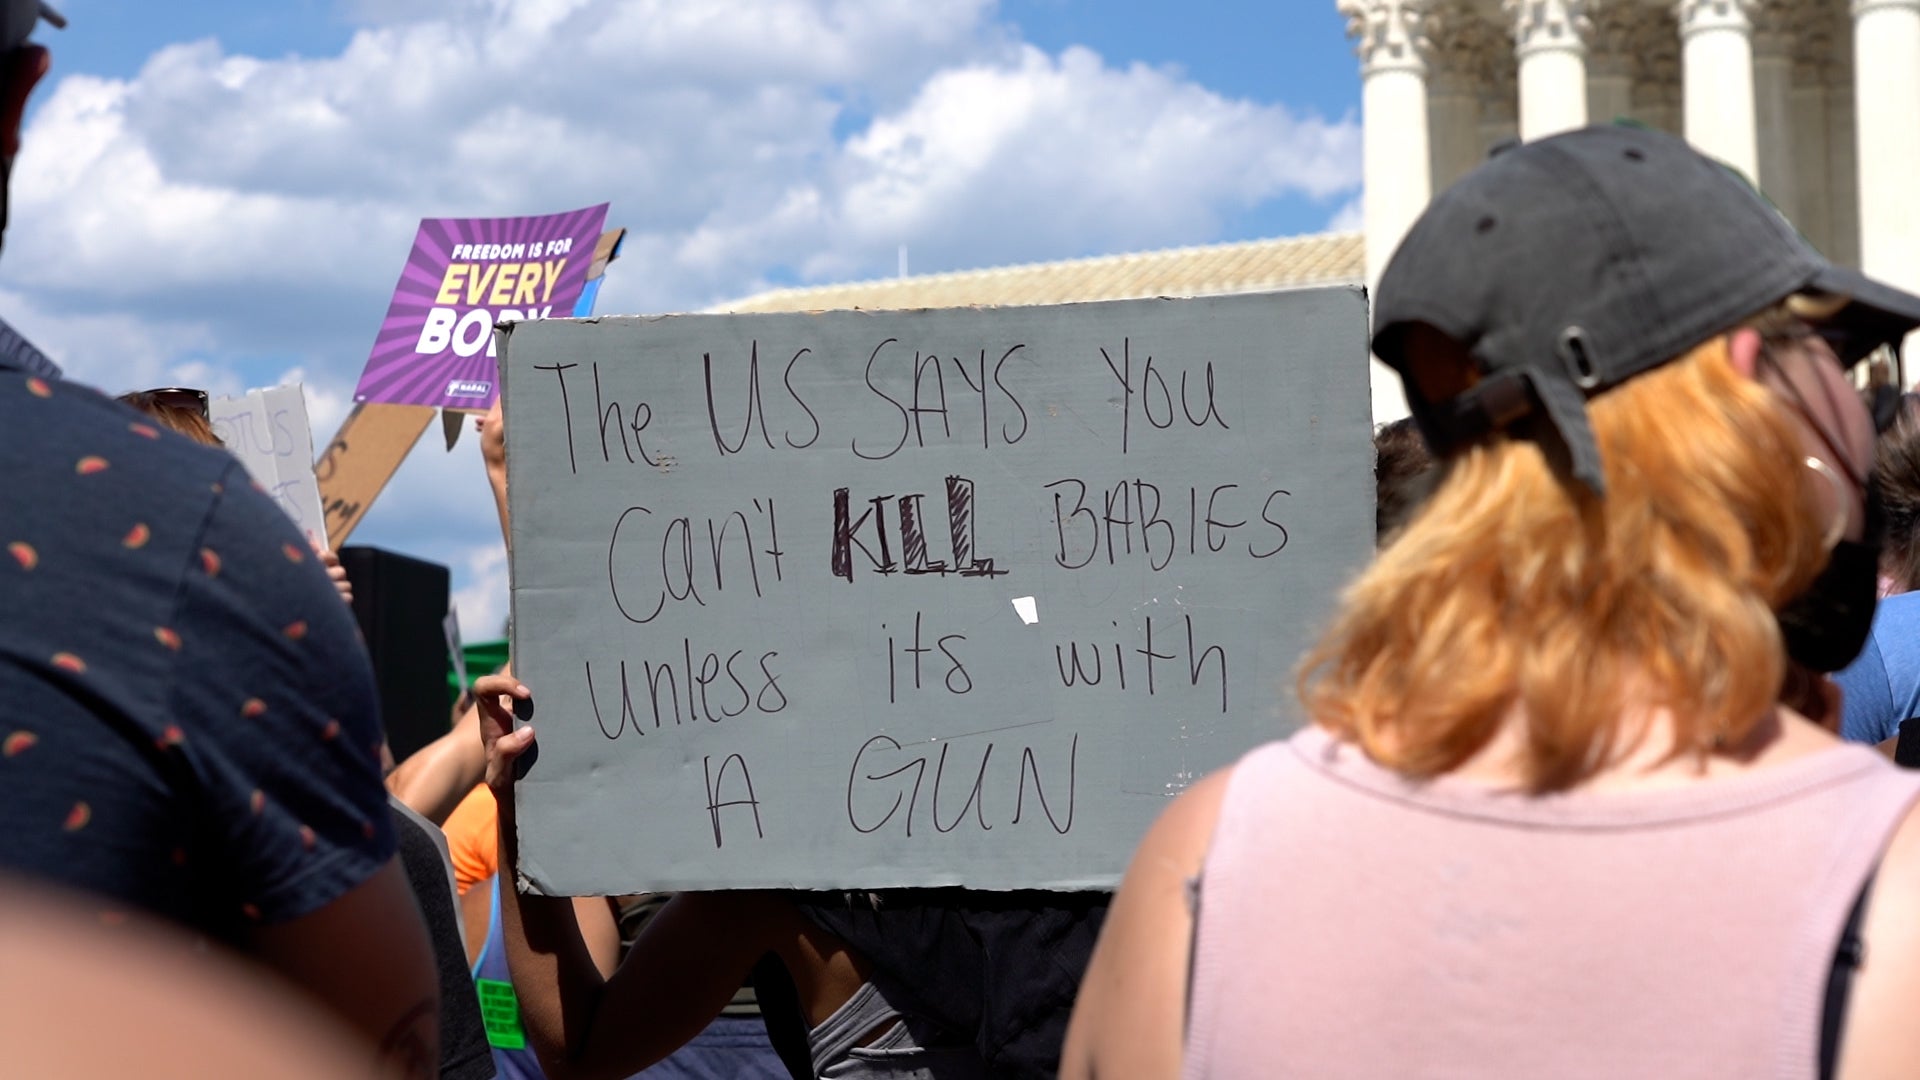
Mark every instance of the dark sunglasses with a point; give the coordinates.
(1884, 402)
(1849, 348)
(181, 397)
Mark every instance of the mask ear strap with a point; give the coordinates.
(1838, 529)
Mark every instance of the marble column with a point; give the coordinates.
(1549, 38)
(1396, 164)
(1716, 61)
(1886, 101)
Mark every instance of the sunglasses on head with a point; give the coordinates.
(181, 397)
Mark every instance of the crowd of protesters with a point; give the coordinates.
(1592, 777)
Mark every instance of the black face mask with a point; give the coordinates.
(1827, 626)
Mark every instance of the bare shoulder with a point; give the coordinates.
(1186, 828)
(1130, 1017)
(1880, 1038)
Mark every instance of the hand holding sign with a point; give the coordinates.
(504, 745)
(493, 454)
(335, 572)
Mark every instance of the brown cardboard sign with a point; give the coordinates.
(605, 251)
(361, 457)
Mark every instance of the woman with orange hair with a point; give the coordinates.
(179, 409)
(188, 411)
(1546, 816)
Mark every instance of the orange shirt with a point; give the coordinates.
(473, 838)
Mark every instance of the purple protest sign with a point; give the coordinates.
(436, 345)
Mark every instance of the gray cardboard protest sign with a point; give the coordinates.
(863, 600)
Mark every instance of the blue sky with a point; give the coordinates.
(1283, 50)
(115, 37)
(222, 192)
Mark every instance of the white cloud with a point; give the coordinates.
(1064, 153)
(1351, 217)
(234, 219)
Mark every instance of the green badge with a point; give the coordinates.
(500, 1011)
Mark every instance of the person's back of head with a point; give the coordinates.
(21, 68)
(177, 409)
(1402, 475)
(1545, 795)
(1629, 511)
(18, 19)
(1512, 584)
(1897, 479)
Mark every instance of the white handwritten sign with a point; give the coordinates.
(268, 431)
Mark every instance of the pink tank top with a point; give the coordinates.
(1355, 924)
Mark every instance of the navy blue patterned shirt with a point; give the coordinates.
(188, 721)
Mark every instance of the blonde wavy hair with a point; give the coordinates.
(1513, 587)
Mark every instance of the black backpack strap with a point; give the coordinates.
(1847, 956)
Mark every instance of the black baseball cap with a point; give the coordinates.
(19, 17)
(1568, 265)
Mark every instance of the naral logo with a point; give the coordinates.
(466, 388)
